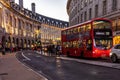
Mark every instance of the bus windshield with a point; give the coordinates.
(102, 24)
(103, 43)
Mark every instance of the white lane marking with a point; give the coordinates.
(38, 56)
(26, 57)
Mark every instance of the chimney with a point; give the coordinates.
(21, 3)
(33, 7)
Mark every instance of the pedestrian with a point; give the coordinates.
(49, 48)
(53, 49)
(3, 51)
(58, 48)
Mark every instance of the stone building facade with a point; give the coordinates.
(83, 10)
(22, 28)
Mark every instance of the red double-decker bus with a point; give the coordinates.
(92, 39)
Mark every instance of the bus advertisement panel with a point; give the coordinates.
(92, 39)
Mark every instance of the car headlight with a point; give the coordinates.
(111, 53)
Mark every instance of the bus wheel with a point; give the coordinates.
(82, 54)
(68, 54)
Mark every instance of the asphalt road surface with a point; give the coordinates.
(56, 68)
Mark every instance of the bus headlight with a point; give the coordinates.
(95, 51)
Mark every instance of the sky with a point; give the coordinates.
(50, 8)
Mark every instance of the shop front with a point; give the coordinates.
(116, 37)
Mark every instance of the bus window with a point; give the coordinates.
(88, 27)
(67, 44)
(74, 44)
(64, 44)
(77, 44)
(99, 24)
(83, 28)
(64, 33)
(80, 43)
(103, 43)
(74, 30)
(71, 44)
(79, 29)
(68, 32)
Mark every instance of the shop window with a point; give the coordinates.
(118, 24)
(114, 25)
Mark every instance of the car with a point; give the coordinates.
(115, 53)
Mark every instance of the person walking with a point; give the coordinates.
(3, 51)
(58, 48)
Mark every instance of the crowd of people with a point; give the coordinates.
(50, 49)
(54, 49)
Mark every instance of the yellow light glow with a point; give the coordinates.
(0, 6)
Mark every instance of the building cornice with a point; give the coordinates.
(68, 6)
(7, 4)
(35, 16)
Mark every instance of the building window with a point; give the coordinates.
(96, 10)
(90, 13)
(118, 24)
(15, 22)
(85, 3)
(78, 19)
(85, 15)
(19, 23)
(114, 5)
(10, 21)
(104, 7)
(81, 17)
(90, 1)
(114, 24)
(82, 4)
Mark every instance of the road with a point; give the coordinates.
(62, 68)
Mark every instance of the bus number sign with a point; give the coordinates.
(102, 33)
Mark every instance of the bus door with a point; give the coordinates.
(88, 48)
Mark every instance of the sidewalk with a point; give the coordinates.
(12, 69)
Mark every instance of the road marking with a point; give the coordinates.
(38, 56)
(26, 57)
(29, 54)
